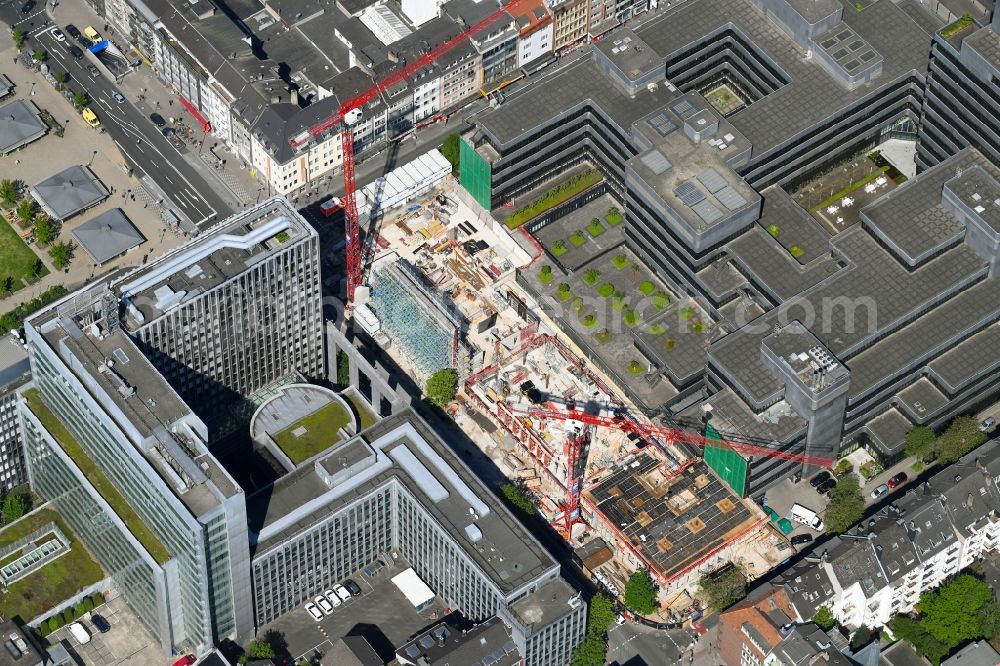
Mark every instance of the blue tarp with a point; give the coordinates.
(99, 46)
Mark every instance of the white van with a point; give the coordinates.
(807, 517)
(80, 633)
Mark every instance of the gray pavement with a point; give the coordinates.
(631, 644)
(382, 614)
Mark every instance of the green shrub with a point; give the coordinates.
(796, 251)
(774, 230)
(589, 320)
(88, 604)
(647, 288)
(620, 261)
(555, 196)
(686, 313)
(614, 217)
(632, 318)
(603, 336)
(563, 292)
(97, 598)
(670, 343)
(618, 302)
(661, 299)
(577, 304)
(635, 368)
(79, 609)
(606, 290)
(595, 228)
(698, 327)
(68, 616)
(559, 248)
(442, 387)
(11, 320)
(54, 623)
(961, 24)
(591, 276)
(577, 238)
(545, 274)
(518, 499)
(657, 329)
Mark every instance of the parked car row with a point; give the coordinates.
(80, 631)
(327, 602)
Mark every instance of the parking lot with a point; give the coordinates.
(381, 614)
(127, 643)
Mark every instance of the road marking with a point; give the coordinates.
(104, 103)
(193, 195)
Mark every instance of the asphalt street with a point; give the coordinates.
(145, 148)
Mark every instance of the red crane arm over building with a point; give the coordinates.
(677, 435)
(353, 250)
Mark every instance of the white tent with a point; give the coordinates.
(414, 589)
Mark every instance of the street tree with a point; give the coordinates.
(640, 592)
(723, 588)
(45, 232)
(919, 441)
(8, 192)
(962, 436)
(25, 211)
(61, 253)
(19, 38)
(846, 506)
(442, 387)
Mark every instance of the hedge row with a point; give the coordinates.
(85, 605)
(15, 318)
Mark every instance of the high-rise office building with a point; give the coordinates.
(961, 105)
(112, 442)
(229, 313)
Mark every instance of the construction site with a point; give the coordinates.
(641, 494)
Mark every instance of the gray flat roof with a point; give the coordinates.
(230, 248)
(108, 235)
(71, 191)
(812, 95)
(550, 602)
(889, 429)
(980, 653)
(20, 124)
(14, 362)
(508, 555)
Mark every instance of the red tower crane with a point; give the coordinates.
(349, 113)
(576, 450)
(677, 435)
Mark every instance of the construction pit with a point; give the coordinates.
(435, 296)
(655, 506)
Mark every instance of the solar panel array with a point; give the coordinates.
(712, 181)
(684, 108)
(689, 193)
(707, 211)
(662, 123)
(656, 162)
(730, 198)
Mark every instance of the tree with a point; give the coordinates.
(26, 211)
(14, 507)
(949, 613)
(6, 285)
(723, 588)
(45, 233)
(61, 79)
(37, 268)
(19, 39)
(442, 387)
(518, 499)
(919, 441)
(40, 55)
(61, 254)
(80, 99)
(640, 593)
(962, 436)
(451, 151)
(590, 652)
(846, 507)
(8, 192)
(824, 618)
(862, 637)
(260, 650)
(908, 629)
(600, 614)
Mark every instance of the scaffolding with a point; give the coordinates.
(421, 332)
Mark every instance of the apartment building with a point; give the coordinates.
(397, 492)
(569, 21)
(881, 567)
(534, 24)
(15, 372)
(654, 139)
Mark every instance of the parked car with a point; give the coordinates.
(72, 31)
(988, 424)
(820, 479)
(100, 623)
(75, 51)
(826, 486)
(118, 97)
(157, 119)
(881, 490)
(314, 611)
(898, 480)
(324, 604)
(92, 35)
(27, 6)
(93, 70)
(186, 660)
(58, 35)
(332, 597)
(352, 587)
(90, 117)
(800, 539)
(342, 592)
(374, 569)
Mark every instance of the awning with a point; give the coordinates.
(414, 589)
(207, 126)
